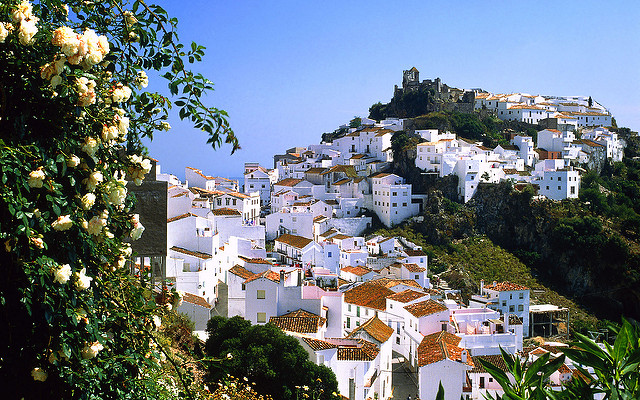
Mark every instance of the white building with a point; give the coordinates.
(506, 297)
(392, 199)
(442, 361)
(560, 184)
(259, 179)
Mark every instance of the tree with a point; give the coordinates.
(73, 110)
(355, 122)
(263, 354)
(378, 111)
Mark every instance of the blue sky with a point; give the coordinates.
(287, 71)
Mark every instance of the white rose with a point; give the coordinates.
(109, 133)
(73, 161)
(22, 12)
(88, 200)
(63, 223)
(62, 274)
(39, 374)
(28, 30)
(91, 350)
(157, 321)
(90, 146)
(117, 192)
(93, 180)
(4, 32)
(83, 282)
(38, 242)
(36, 178)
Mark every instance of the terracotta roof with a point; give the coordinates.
(505, 286)
(316, 170)
(365, 351)
(179, 217)
(342, 182)
(226, 211)
(329, 233)
(331, 202)
(357, 156)
(197, 254)
(407, 295)
(299, 321)
(426, 307)
(296, 241)
(440, 346)
(389, 283)
(495, 359)
(564, 369)
(414, 253)
(241, 272)
(255, 260)
(383, 132)
(237, 194)
(414, 268)
(368, 294)
(194, 299)
(341, 236)
(320, 218)
(317, 344)
(357, 270)
(349, 170)
(374, 327)
(380, 175)
(288, 182)
(271, 275)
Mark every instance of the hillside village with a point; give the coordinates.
(286, 246)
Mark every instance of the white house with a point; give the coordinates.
(295, 249)
(301, 323)
(356, 274)
(560, 184)
(506, 297)
(484, 333)
(442, 361)
(378, 333)
(259, 179)
(392, 199)
(195, 178)
(197, 309)
(296, 223)
(247, 204)
(355, 362)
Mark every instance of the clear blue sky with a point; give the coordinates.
(287, 71)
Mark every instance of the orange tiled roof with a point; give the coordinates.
(197, 254)
(255, 260)
(495, 359)
(369, 295)
(407, 295)
(414, 268)
(271, 275)
(288, 182)
(194, 299)
(296, 241)
(374, 327)
(365, 351)
(440, 346)
(505, 286)
(241, 272)
(389, 283)
(317, 344)
(225, 211)
(315, 170)
(357, 270)
(179, 217)
(299, 321)
(426, 307)
(414, 253)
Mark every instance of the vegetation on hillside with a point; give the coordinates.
(276, 362)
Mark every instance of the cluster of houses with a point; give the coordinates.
(553, 167)
(286, 248)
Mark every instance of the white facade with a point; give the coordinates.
(560, 184)
(392, 199)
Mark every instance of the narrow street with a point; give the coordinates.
(405, 382)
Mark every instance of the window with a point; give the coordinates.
(348, 322)
(559, 178)
(416, 277)
(572, 190)
(521, 295)
(394, 193)
(394, 204)
(398, 340)
(358, 311)
(260, 294)
(261, 317)
(357, 323)
(512, 308)
(349, 308)
(559, 188)
(234, 202)
(263, 186)
(329, 254)
(510, 296)
(219, 202)
(251, 186)
(404, 204)
(227, 201)
(186, 267)
(504, 303)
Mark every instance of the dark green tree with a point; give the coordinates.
(276, 362)
(355, 122)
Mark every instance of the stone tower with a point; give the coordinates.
(410, 77)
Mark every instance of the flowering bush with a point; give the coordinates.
(72, 115)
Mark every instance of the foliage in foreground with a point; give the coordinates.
(263, 354)
(73, 110)
(616, 369)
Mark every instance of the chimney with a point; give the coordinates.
(506, 323)
(481, 287)
(495, 283)
(463, 356)
(281, 276)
